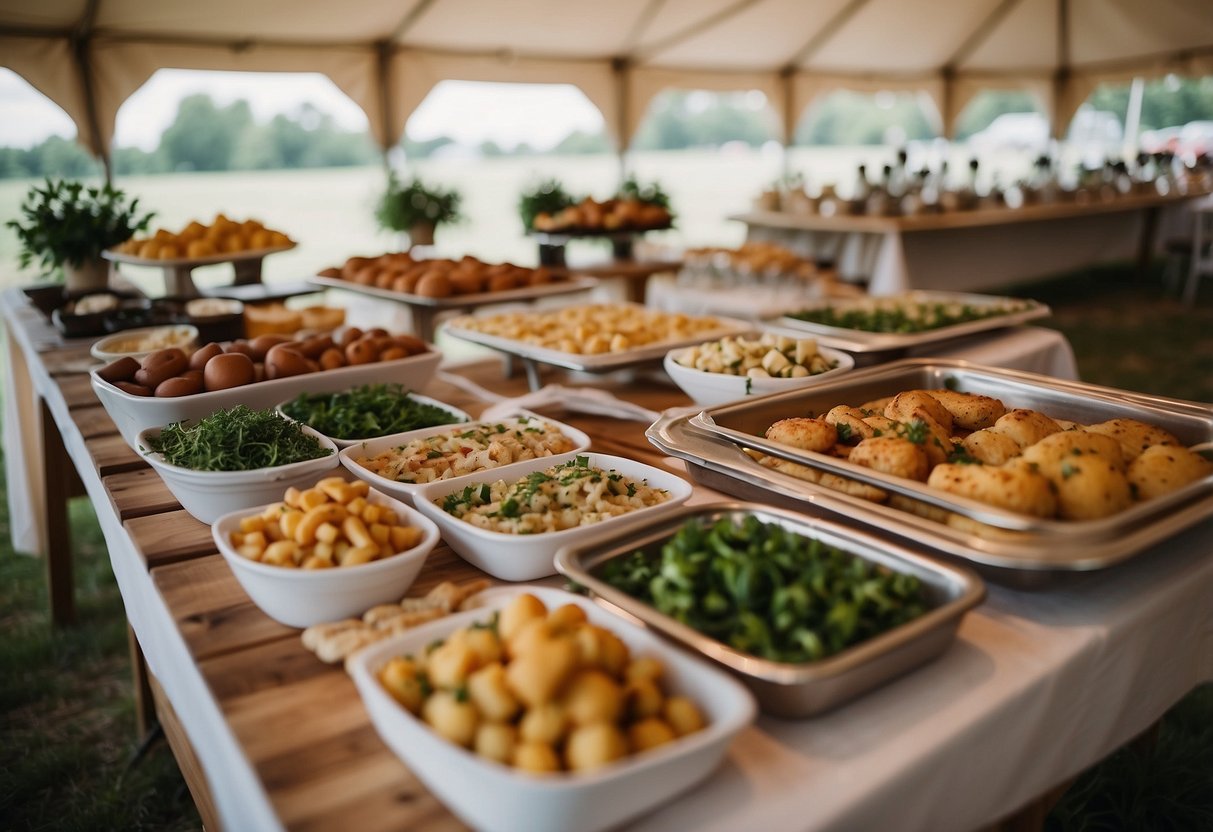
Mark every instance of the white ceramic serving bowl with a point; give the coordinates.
(135, 413)
(346, 443)
(208, 495)
(527, 557)
(303, 597)
(490, 796)
(717, 388)
(110, 348)
(407, 491)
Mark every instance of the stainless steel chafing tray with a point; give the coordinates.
(797, 690)
(712, 441)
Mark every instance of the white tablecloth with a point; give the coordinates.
(1038, 686)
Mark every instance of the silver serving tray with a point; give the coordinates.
(860, 341)
(797, 690)
(209, 260)
(716, 459)
(601, 362)
(574, 284)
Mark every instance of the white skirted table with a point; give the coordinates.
(1038, 686)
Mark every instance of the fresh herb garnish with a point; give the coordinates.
(239, 439)
(1068, 469)
(366, 412)
(844, 432)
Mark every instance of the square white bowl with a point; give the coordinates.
(345, 443)
(494, 797)
(407, 491)
(136, 413)
(303, 597)
(708, 388)
(183, 336)
(208, 495)
(528, 557)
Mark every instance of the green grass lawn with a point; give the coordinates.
(66, 709)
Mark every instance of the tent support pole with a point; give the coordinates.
(787, 106)
(623, 102)
(80, 40)
(383, 76)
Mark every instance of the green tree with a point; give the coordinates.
(204, 136)
(580, 142)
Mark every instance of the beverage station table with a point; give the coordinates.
(1039, 685)
(974, 250)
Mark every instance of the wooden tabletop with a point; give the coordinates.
(300, 722)
(955, 219)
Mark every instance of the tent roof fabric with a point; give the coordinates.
(90, 55)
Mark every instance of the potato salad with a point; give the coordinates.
(562, 497)
(466, 450)
(769, 356)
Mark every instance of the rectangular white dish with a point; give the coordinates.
(574, 284)
(528, 557)
(494, 797)
(859, 341)
(133, 414)
(407, 491)
(599, 362)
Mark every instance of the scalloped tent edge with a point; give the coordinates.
(90, 56)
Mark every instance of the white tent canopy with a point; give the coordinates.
(89, 56)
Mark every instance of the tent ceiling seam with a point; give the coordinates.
(410, 19)
(641, 25)
(826, 33)
(711, 21)
(982, 33)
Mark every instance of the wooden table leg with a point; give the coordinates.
(187, 760)
(57, 472)
(145, 707)
(1145, 244)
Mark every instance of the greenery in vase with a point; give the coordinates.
(547, 197)
(404, 206)
(651, 194)
(65, 223)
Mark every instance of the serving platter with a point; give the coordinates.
(600, 362)
(795, 690)
(574, 284)
(1018, 312)
(190, 262)
(712, 444)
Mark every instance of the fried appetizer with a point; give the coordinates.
(806, 434)
(989, 447)
(1015, 489)
(892, 455)
(969, 411)
(1133, 436)
(1025, 427)
(1161, 469)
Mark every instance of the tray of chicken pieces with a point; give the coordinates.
(993, 465)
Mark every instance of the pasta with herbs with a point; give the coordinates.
(466, 450)
(563, 497)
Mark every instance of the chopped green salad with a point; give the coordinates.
(900, 315)
(766, 591)
(367, 412)
(239, 439)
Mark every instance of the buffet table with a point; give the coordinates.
(1038, 686)
(972, 250)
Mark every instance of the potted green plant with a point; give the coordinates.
(416, 209)
(65, 226)
(547, 197)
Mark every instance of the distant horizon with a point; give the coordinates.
(507, 114)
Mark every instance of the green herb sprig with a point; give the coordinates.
(366, 412)
(907, 318)
(239, 439)
(766, 591)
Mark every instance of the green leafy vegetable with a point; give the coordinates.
(366, 412)
(769, 592)
(239, 439)
(903, 316)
